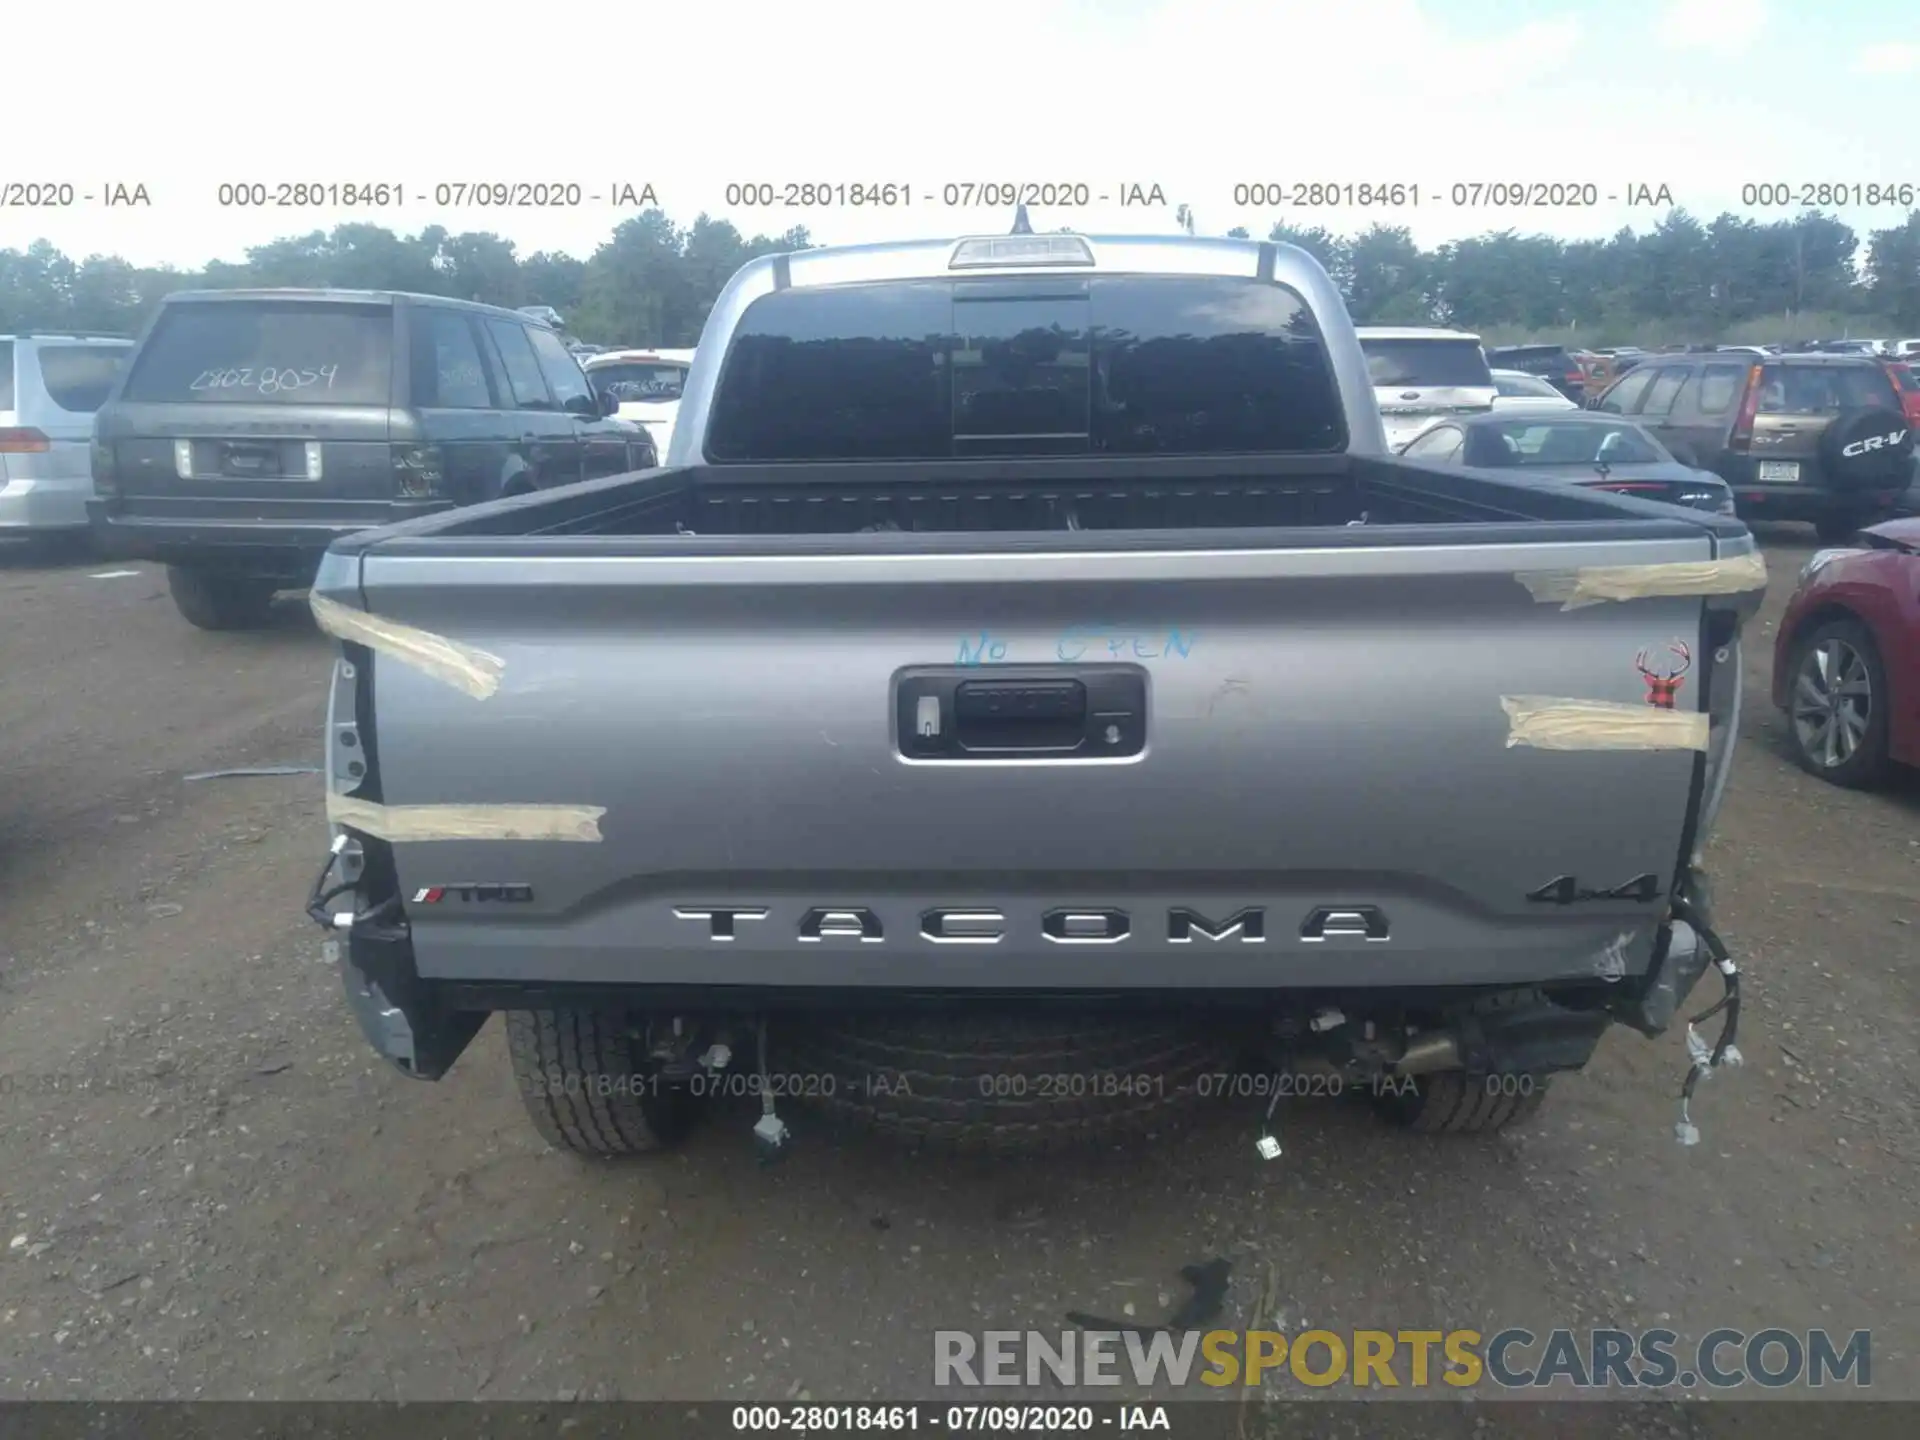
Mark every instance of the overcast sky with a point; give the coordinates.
(1195, 96)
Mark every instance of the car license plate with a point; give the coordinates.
(1779, 472)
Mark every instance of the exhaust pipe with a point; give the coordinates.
(1427, 1053)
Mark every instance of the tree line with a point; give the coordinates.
(652, 281)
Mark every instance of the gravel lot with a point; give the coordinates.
(212, 1189)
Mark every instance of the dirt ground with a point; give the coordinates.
(212, 1189)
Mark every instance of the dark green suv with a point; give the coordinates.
(252, 428)
(1822, 438)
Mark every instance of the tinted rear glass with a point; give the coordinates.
(1527, 385)
(942, 369)
(266, 352)
(639, 380)
(1559, 442)
(1422, 363)
(1540, 359)
(78, 377)
(1824, 389)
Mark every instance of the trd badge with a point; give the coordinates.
(474, 894)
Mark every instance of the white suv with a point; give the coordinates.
(647, 383)
(1421, 374)
(50, 385)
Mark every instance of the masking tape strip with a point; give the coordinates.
(1545, 722)
(1595, 584)
(576, 823)
(474, 671)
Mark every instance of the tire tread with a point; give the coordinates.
(210, 600)
(581, 1045)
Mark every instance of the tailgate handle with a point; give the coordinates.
(1024, 712)
(1019, 714)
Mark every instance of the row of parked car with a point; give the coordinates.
(1582, 374)
(325, 411)
(1824, 436)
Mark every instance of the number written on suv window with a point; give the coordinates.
(565, 378)
(522, 365)
(449, 373)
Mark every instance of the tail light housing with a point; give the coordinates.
(101, 460)
(1908, 389)
(23, 440)
(1742, 437)
(419, 471)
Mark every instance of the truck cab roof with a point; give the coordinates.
(1023, 254)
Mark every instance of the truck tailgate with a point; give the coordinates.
(1325, 759)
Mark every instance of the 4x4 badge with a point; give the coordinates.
(1565, 890)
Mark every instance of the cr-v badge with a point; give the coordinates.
(1874, 442)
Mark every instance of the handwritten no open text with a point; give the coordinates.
(1088, 642)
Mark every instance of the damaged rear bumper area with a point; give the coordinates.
(423, 1025)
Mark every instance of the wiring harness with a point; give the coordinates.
(323, 895)
(1705, 1058)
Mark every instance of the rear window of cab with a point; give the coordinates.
(943, 369)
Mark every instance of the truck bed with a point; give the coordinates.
(1132, 502)
(714, 671)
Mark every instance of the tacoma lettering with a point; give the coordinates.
(1086, 927)
(720, 919)
(1250, 924)
(1061, 925)
(846, 922)
(1344, 922)
(964, 926)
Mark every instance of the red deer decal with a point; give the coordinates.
(1664, 682)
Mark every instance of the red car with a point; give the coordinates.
(1846, 662)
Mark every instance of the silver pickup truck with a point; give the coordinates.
(1029, 698)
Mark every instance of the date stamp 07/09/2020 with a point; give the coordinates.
(828, 192)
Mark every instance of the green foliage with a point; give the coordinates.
(1730, 280)
(652, 282)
